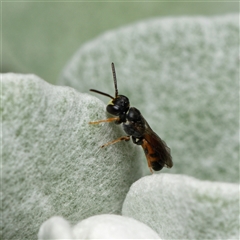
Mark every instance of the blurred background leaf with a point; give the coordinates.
(40, 37)
(182, 74)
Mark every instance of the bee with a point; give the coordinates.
(136, 127)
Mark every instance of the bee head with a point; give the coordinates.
(118, 105)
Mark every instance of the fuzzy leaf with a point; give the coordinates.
(182, 74)
(181, 207)
(52, 160)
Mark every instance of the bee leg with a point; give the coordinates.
(149, 165)
(125, 138)
(145, 149)
(106, 120)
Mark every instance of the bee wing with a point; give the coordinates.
(159, 146)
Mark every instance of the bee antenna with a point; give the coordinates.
(102, 93)
(115, 80)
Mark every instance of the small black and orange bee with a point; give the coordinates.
(156, 151)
